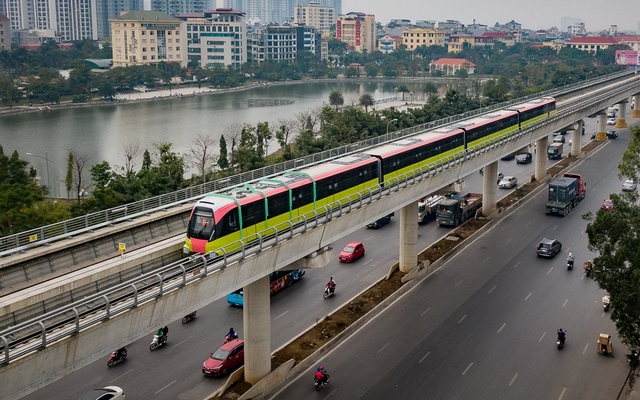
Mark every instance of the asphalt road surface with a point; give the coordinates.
(174, 371)
(484, 326)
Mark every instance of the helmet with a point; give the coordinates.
(230, 329)
(320, 368)
(570, 254)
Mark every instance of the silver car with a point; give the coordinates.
(628, 186)
(508, 182)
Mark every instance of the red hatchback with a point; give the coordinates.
(607, 205)
(352, 252)
(227, 358)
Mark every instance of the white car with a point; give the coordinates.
(628, 186)
(508, 182)
(611, 121)
(108, 392)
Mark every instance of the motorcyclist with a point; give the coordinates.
(606, 299)
(120, 352)
(588, 266)
(331, 284)
(570, 259)
(321, 375)
(561, 335)
(162, 333)
(230, 335)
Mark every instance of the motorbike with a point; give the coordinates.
(328, 292)
(593, 136)
(632, 359)
(188, 317)
(320, 384)
(569, 264)
(560, 341)
(114, 359)
(606, 302)
(229, 338)
(157, 341)
(587, 268)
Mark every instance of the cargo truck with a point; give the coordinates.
(427, 207)
(456, 209)
(562, 196)
(581, 185)
(555, 151)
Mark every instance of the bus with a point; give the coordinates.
(278, 281)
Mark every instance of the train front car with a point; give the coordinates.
(201, 229)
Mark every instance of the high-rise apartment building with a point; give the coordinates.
(147, 37)
(277, 11)
(178, 7)
(109, 9)
(216, 37)
(316, 16)
(282, 43)
(5, 33)
(357, 30)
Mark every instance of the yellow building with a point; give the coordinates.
(459, 42)
(416, 37)
(148, 37)
(357, 30)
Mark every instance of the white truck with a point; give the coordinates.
(427, 207)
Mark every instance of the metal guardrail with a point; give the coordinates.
(37, 333)
(47, 234)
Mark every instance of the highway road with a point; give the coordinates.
(173, 372)
(484, 326)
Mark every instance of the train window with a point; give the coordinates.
(229, 223)
(201, 225)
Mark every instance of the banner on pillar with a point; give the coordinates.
(626, 57)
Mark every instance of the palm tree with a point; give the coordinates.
(404, 89)
(366, 101)
(336, 99)
(430, 89)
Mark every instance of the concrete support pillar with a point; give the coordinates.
(636, 106)
(541, 158)
(622, 115)
(601, 136)
(576, 139)
(409, 237)
(490, 189)
(257, 330)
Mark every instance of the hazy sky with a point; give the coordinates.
(532, 14)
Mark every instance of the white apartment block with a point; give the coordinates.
(216, 37)
(316, 16)
(282, 43)
(147, 37)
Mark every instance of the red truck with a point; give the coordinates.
(581, 187)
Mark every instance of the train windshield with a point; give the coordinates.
(201, 225)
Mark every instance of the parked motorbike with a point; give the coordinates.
(188, 317)
(606, 302)
(561, 338)
(328, 292)
(632, 359)
(115, 358)
(157, 341)
(320, 384)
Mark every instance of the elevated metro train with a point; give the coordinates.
(219, 219)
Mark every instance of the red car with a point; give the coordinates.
(351, 252)
(227, 358)
(607, 205)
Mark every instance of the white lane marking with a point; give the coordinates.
(166, 386)
(541, 337)
(281, 315)
(508, 240)
(585, 349)
(179, 343)
(555, 227)
(425, 311)
(550, 271)
(529, 295)
(486, 259)
(368, 261)
(503, 325)
(513, 379)
(330, 393)
(370, 237)
(461, 319)
(456, 285)
(492, 289)
(562, 394)
(516, 266)
(121, 376)
(465, 371)
(383, 347)
(565, 302)
(425, 356)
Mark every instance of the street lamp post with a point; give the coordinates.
(46, 159)
(393, 120)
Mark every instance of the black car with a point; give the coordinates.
(524, 158)
(549, 248)
(508, 157)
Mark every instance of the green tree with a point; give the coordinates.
(223, 161)
(403, 89)
(366, 101)
(336, 99)
(68, 179)
(351, 72)
(615, 236)
(106, 90)
(430, 89)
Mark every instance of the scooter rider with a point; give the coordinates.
(120, 352)
(162, 333)
(570, 260)
(561, 335)
(331, 284)
(321, 375)
(230, 335)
